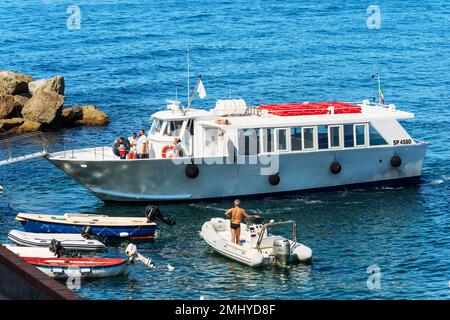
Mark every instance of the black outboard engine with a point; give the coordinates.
(56, 247)
(86, 233)
(154, 214)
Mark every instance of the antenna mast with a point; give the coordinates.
(188, 98)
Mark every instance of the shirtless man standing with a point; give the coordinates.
(236, 214)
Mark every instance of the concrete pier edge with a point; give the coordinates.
(20, 280)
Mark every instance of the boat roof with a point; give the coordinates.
(367, 114)
(291, 114)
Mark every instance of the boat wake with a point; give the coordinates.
(438, 181)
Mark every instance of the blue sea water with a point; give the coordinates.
(129, 56)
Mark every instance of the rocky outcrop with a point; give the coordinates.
(70, 115)
(19, 103)
(34, 85)
(8, 124)
(28, 126)
(43, 107)
(92, 117)
(6, 106)
(54, 85)
(28, 105)
(13, 83)
(83, 116)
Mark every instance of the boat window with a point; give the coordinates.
(308, 138)
(173, 128)
(267, 139)
(190, 127)
(348, 136)
(375, 137)
(249, 141)
(360, 135)
(296, 139)
(281, 139)
(156, 126)
(322, 134)
(335, 136)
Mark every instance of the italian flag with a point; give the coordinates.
(380, 91)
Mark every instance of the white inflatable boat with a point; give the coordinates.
(258, 247)
(69, 241)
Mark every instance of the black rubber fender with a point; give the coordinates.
(274, 179)
(396, 161)
(335, 167)
(192, 171)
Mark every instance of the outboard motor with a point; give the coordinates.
(56, 247)
(154, 214)
(87, 234)
(282, 251)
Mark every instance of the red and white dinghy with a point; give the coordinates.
(82, 267)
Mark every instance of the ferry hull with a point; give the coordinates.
(164, 180)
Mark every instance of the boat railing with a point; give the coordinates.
(275, 223)
(375, 104)
(91, 153)
(23, 147)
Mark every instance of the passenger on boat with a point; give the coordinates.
(133, 149)
(122, 149)
(177, 149)
(236, 215)
(142, 145)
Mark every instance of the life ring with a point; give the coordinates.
(335, 167)
(166, 148)
(126, 143)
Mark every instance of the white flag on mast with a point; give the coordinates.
(201, 89)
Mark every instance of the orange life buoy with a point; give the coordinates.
(165, 149)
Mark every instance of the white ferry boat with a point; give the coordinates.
(236, 149)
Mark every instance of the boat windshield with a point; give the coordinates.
(156, 126)
(173, 128)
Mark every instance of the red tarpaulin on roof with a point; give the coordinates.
(310, 108)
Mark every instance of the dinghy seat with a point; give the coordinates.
(219, 224)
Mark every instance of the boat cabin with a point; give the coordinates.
(235, 128)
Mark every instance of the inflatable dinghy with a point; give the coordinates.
(257, 247)
(68, 241)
